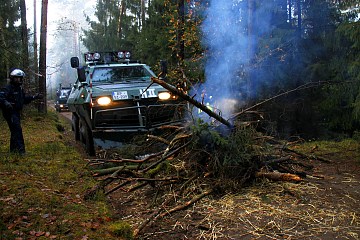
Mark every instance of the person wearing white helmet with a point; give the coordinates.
(12, 100)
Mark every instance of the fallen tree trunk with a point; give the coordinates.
(192, 101)
(277, 176)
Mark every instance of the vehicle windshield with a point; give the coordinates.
(121, 74)
(64, 93)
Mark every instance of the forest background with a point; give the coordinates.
(306, 52)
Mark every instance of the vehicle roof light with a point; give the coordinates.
(107, 57)
(92, 56)
(127, 54)
(89, 57)
(96, 56)
(121, 54)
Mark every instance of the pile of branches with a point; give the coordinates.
(193, 161)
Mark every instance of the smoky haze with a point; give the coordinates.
(66, 19)
(228, 47)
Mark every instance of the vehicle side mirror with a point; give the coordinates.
(163, 68)
(81, 74)
(74, 61)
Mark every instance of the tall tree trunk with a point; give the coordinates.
(251, 33)
(5, 47)
(142, 14)
(290, 12)
(121, 17)
(299, 18)
(24, 40)
(180, 33)
(42, 60)
(251, 43)
(36, 68)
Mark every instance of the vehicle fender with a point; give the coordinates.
(84, 112)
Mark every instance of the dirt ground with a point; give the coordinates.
(323, 206)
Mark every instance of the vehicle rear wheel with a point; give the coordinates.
(86, 137)
(75, 126)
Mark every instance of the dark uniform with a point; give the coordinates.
(12, 100)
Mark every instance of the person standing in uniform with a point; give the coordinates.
(12, 100)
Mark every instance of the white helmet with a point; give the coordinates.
(17, 73)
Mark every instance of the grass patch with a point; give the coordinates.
(41, 192)
(344, 149)
(121, 229)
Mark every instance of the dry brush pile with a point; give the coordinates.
(191, 162)
(194, 160)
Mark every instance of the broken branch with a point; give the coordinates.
(192, 101)
(187, 204)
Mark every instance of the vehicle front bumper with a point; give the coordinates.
(138, 118)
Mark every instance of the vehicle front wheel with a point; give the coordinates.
(86, 137)
(75, 126)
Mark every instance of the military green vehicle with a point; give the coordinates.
(62, 94)
(114, 96)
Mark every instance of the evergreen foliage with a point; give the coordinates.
(342, 101)
(226, 153)
(10, 37)
(294, 43)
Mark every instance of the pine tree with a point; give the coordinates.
(10, 38)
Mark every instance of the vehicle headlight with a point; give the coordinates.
(164, 95)
(103, 101)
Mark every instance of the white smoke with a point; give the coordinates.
(226, 49)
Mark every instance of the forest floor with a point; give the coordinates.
(325, 205)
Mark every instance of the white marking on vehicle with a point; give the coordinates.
(149, 93)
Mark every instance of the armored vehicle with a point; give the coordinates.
(62, 95)
(114, 96)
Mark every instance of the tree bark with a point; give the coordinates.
(24, 40)
(36, 67)
(180, 33)
(289, 12)
(251, 44)
(142, 14)
(299, 18)
(5, 46)
(42, 60)
(121, 17)
(277, 176)
(251, 33)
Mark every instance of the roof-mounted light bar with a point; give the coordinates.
(106, 57)
(92, 57)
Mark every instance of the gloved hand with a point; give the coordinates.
(8, 105)
(38, 96)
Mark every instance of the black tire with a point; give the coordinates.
(86, 138)
(75, 126)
